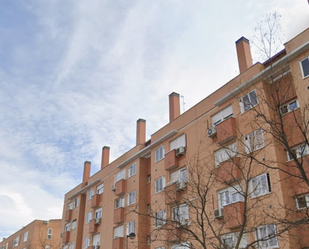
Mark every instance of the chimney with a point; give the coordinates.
(87, 168)
(140, 131)
(105, 157)
(243, 54)
(174, 102)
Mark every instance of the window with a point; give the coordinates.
(67, 227)
(130, 227)
(118, 232)
(184, 245)
(70, 206)
(76, 203)
(131, 198)
(159, 184)
(96, 239)
(65, 247)
(71, 246)
(254, 141)
(260, 185)
(120, 175)
(161, 247)
(302, 201)
(159, 154)
(89, 217)
(222, 115)
(305, 67)
(229, 195)
(181, 214)
(49, 233)
(230, 240)
(292, 105)
(16, 241)
(160, 218)
(100, 189)
(73, 224)
(178, 142)
(148, 178)
(225, 153)
(47, 246)
(298, 151)
(86, 242)
(179, 175)
(25, 236)
(266, 236)
(90, 194)
(119, 203)
(132, 170)
(248, 101)
(98, 213)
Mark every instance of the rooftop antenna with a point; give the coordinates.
(183, 100)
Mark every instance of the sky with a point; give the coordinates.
(76, 75)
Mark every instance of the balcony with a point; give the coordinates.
(118, 243)
(173, 232)
(233, 215)
(119, 215)
(170, 160)
(120, 187)
(93, 225)
(171, 194)
(68, 215)
(226, 130)
(229, 171)
(65, 237)
(95, 200)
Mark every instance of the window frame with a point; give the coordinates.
(73, 225)
(88, 217)
(179, 215)
(178, 142)
(306, 201)
(119, 203)
(118, 229)
(132, 197)
(90, 194)
(159, 153)
(132, 170)
(25, 238)
(299, 150)
(130, 225)
(242, 101)
(76, 202)
(302, 69)
(224, 154)
(159, 184)
(120, 175)
(260, 238)
(67, 227)
(49, 233)
(248, 139)
(215, 121)
(179, 177)
(100, 189)
(98, 211)
(287, 106)
(160, 218)
(232, 191)
(254, 188)
(86, 242)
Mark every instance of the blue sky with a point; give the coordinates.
(76, 75)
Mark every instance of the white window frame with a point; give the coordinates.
(299, 150)
(260, 185)
(159, 184)
(184, 245)
(118, 232)
(159, 153)
(25, 237)
(160, 218)
(90, 194)
(89, 217)
(252, 142)
(119, 203)
(86, 242)
(234, 238)
(67, 227)
(71, 245)
(49, 233)
(75, 204)
(132, 170)
(230, 195)
(130, 227)
(65, 247)
(222, 115)
(302, 68)
(70, 206)
(16, 241)
(225, 154)
(289, 107)
(73, 225)
(120, 175)
(46, 247)
(263, 232)
(96, 240)
(132, 197)
(98, 213)
(305, 201)
(179, 175)
(178, 142)
(181, 214)
(100, 189)
(246, 106)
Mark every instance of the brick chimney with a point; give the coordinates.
(87, 168)
(243, 54)
(174, 103)
(105, 157)
(140, 131)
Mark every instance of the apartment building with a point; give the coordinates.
(231, 172)
(43, 234)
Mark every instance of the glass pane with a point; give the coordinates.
(305, 66)
(293, 105)
(246, 102)
(253, 98)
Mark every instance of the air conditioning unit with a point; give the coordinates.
(180, 151)
(113, 187)
(97, 220)
(212, 131)
(185, 222)
(181, 185)
(218, 213)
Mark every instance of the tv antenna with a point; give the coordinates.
(183, 102)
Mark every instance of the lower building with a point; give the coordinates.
(39, 234)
